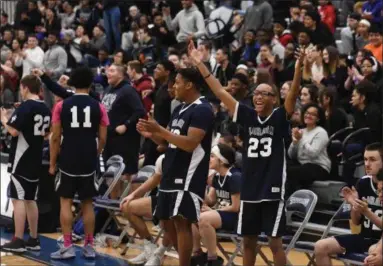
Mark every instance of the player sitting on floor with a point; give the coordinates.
(223, 193)
(366, 211)
(28, 126)
(135, 207)
(375, 254)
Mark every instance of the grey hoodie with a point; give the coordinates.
(188, 21)
(258, 16)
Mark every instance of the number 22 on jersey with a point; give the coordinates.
(41, 125)
(259, 148)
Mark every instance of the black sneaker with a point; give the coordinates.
(199, 260)
(16, 245)
(33, 244)
(217, 262)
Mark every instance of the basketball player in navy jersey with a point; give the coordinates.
(366, 210)
(224, 195)
(266, 130)
(79, 123)
(186, 162)
(28, 125)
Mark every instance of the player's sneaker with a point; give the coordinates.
(33, 244)
(148, 252)
(64, 253)
(89, 252)
(216, 262)
(17, 245)
(199, 260)
(154, 260)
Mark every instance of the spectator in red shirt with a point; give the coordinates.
(143, 83)
(327, 14)
(281, 33)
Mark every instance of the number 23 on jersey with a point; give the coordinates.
(259, 147)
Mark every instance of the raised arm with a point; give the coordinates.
(213, 83)
(292, 96)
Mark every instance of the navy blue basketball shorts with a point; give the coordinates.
(229, 220)
(68, 186)
(22, 188)
(267, 217)
(181, 203)
(355, 243)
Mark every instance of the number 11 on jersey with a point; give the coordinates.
(75, 123)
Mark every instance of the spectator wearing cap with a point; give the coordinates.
(375, 38)
(372, 10)
(282, 33)
(327, 13)
(4, 23)
(363, 30)
(189, 21)
(225, 69)
(349, 35)
(55, 63)
(320, 33)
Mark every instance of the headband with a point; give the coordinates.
(365, 22)
(215, 150)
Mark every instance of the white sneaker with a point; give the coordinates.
(156, 228)
(148, 252)
(154, 260)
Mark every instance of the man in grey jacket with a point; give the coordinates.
(258, 16)
(55, 63)
(189, 21)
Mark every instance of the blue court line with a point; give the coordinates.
(49, 245)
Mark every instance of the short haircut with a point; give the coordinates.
(367, 89)
(136, 65)
(321, 114)
(120, 68)
(242, 78)
(208, 45)
(32, 82)
(192, 75)
(224, 50)
(168, 65)
(32, 36)
(376, 28)
(81, 78)
(376, 146)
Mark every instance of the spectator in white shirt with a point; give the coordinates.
(33, 56)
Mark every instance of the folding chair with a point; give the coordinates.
(301, 203)
(307, 247)
(113, 206)
(236, 239)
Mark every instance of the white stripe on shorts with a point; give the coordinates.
(278, 218)
(19, 189)
(239, 226)
(177, 205)
(197, 204)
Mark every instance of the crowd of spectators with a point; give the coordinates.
(243, 43)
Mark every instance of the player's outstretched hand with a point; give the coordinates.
(350, 195)
(149, 125)
(194, 54)
(37, 72)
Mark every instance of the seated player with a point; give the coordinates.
(223, 193)
(136, 207)
(366, 211)
(375, 254)
(28, 126)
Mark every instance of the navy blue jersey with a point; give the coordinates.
(32, 120)
(368, 189)
(80, 117)
(264, 162)
(226, 186)
(183, 170)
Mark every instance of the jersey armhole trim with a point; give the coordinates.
(235, 115)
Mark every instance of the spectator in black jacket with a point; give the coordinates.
(31, 18)
(162, 108)
(320, 33)
(124, 108)
(226, 69)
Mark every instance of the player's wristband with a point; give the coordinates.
(207, 76)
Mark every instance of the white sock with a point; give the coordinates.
(161, 250)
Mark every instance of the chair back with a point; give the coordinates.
(342, 214)
(301, 203)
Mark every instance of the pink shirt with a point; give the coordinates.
(56, 117)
